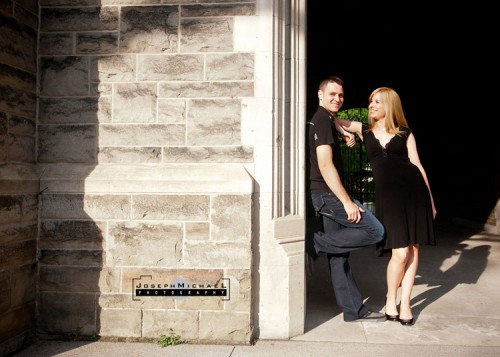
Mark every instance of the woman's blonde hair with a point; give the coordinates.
(394, 114)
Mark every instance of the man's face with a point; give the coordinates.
(331, 97)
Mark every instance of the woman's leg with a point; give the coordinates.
(408, 282)
(395, 273)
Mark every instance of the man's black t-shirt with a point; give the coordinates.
(322, 132)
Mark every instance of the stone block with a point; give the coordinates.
(149, 29)
(232, 66)
(216, 254)
(17, 321)
(78, 279)
(141, 135)
(126, 301)
(214, 10)
(144, 244)
(74, 110)
(17, 254)
(63, 313)
(97, 43)
(133, 155)
(21, 148)
(179, 179)
(200, 303)
(214, 122)
(182, 323)
(171, 68)
(225, 211)
(18, 208)
(4, 149)
(88, 258)
(67, 3)
(29, 5)
(18, 231)
(172, 111)
(67, 143)
(220, 154)
(17, 101)
(120, 322)
(197, 230)
(103, 18)
(116, 68)
(17, 79)
(240, 298)
(26, 17)
(207, 35)
(225, 327)
(205, 89)
(139, 2)
(18, 43)
(171, 207)
(17, 178)
(134, 103)
(77, 206)
(77, 235)
(64, 76)
(4, 125)
(23, 287)
(101, 89)
(5, 291)
(56, 44)
(21, 126)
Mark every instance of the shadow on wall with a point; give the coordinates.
(73, 222)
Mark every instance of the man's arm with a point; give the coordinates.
(332, 179)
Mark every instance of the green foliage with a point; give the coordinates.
(357, 172)
(359, 114)
(171, 339)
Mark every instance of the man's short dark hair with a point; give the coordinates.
(331, 79)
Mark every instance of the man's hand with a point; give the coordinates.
(349, 138)
(353, 211)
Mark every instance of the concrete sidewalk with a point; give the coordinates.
(454, 303)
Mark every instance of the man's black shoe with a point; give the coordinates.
(371, 316)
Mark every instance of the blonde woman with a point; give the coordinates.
(403, 198)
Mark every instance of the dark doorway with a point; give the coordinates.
(439, 63)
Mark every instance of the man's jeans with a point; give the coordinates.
(339, 234)
(338, 239)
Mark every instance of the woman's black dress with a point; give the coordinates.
(402, 199)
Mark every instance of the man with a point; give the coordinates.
(347, 225)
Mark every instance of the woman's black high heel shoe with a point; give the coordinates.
(390, 317)
(406, 322)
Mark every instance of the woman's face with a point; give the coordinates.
(376, 109)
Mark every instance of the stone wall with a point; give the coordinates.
(142, 169)
(18, 181)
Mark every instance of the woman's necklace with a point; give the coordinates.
(381, 127)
